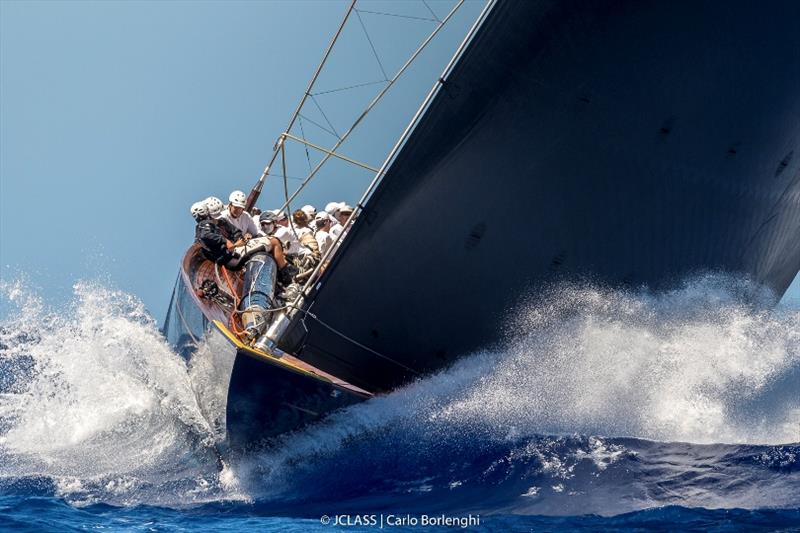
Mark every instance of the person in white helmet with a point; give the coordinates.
(214, 244)
(235, 214)
(215, 206)
(232, 252)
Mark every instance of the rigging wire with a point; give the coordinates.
(313, 99)
(400, 141)
(352, 340)
(378, 59)
(302, 131)
(260, 183)
(317, 124)
(396, 15)
(431, 10)
(348, 88)
(375, 100)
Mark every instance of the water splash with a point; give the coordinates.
(97, 404)
(707, 363)
(699, 364)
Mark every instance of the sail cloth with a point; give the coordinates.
(630, 142)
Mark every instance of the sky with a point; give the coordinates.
(116, 116)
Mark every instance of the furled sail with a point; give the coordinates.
(631, 142)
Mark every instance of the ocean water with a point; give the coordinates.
(602, 410)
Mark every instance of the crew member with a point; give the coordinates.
(323, 236)
(306, 236)
(235, 214)
(221, 250)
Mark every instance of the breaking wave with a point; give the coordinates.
(599, 401)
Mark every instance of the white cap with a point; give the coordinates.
(322, 215)
(344, 208)
(309, 210)
(332, 208)
(279, 214)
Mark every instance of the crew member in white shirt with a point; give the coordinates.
(235, 214)
(342, 214)
(310, 212)
(324, 239)
(285, 234)
(333, 212)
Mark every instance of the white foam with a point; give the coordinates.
(709, 362)
(108, 411)
(694, 365)
(99, 402)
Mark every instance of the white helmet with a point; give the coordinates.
(214, 205)
(199, 210)
(237, 198)
(309, 210)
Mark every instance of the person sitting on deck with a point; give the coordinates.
(232, 254)
(342, 214)
(287, 234)
(333, 211)
(323, 236)
(255, 213)
(310, 212)
(229, 231)
(306, 236)
(235, 214)
(268, 223)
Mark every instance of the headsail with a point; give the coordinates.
(629, 142)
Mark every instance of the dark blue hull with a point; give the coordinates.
(248, 396)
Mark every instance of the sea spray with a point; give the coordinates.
(96, 408)
(710, 362)
(97, 403)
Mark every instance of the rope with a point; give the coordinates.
(236, 300)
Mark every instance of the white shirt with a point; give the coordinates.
(291, 245)
(243, 222)
(324, 240)
(301, 231)
(336, 229)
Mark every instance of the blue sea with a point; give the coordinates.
(602, 410)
